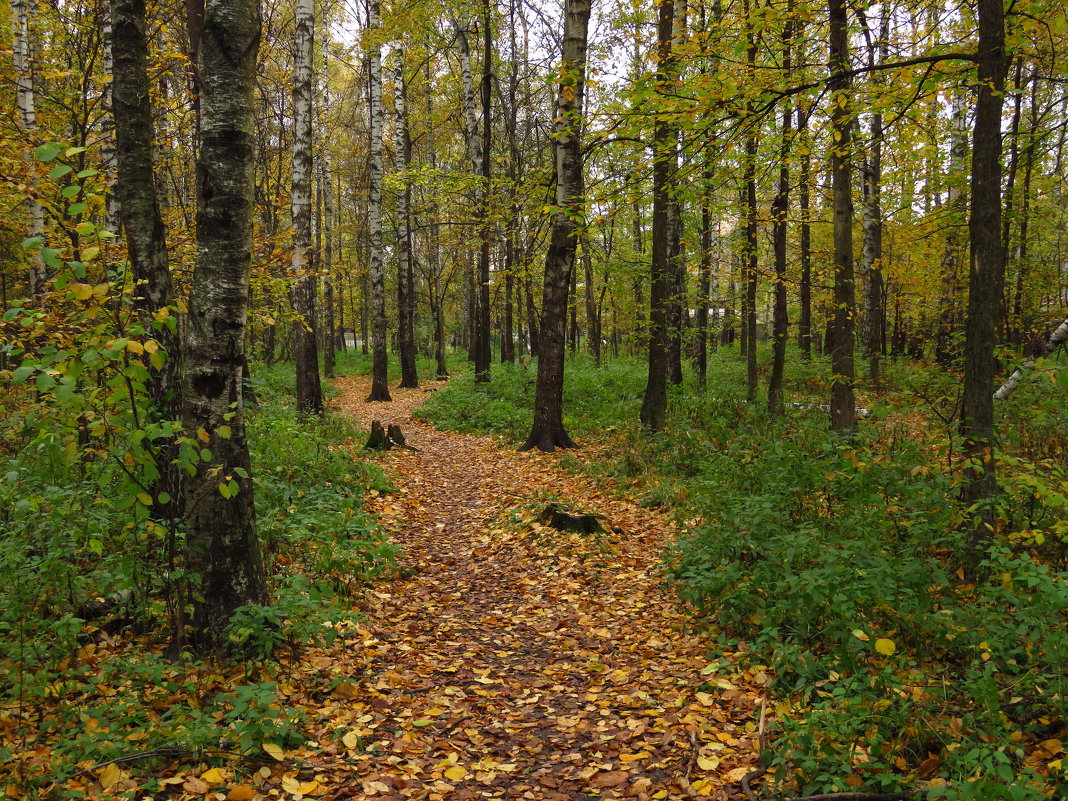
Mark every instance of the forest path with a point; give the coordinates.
(515, 661)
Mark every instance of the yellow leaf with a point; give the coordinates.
(290, 785)
(203, 435)
(633, 757)
(860, 635)
(135, 347)
(151, 346)
(213, 776)
(708, 762)
(111, 775)
(81, 291)
(88, 254)
(310, 788)
(242, 792)
(273, 750)
(885, 646)
(144, 498)
(455, 773)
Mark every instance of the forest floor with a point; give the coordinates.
(511, 660)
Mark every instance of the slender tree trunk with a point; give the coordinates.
(677, 306)
(37, 274)
(305, 346)
(483, 355)
(405, 282)
(945, 346)
(108, 161)
(843, 405)
(547, 432)
(780, 208)
(380, 363)
(804, 323)
(138, 203)
(331, 324)
(987, 258)
(654, 404)
(749, 322)
(221, 539)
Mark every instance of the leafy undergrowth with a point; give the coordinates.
(93, 586)
(838, 566)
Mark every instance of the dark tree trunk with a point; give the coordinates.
(139, 209)
(405, 270)
(843, 405)
(222, 544)
(780, 207)
(533, 322)
(987, 265)
(483, 354)
(548, 432)
(804, 323)
(654, 403)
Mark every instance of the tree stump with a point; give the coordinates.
(395, 435)
(378, 441)
(561, 518)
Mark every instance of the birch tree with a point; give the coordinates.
(223, 547)
(305, 347)
(27, 122)
(379, 358)
(547, 432)
(405, 272)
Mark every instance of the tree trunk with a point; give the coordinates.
(483, 355)
(780, 208)
(405, 272)
(984, 289)
(547, 432)
(380, 363)
(222, 544)
(305, 346)
(326, 186)
(27, 121)
(843, 404)
(654, 403)
(804, 322)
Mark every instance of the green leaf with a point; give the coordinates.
(50, 256)
(22, 373)
(224, 431)
(74, 151)
(59, 171)
(45, 382)
(144, 499)
(47, 151)
(224, 490)
(77, 208)
(88, 173)
(71, 191)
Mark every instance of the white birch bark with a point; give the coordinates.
(1059, 336)
(108, 163)
(379, 388)
(27, 121)
(309, 390)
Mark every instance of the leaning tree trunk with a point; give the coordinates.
(984, 287)
(405, 283)
(843, 404)
(305, 348)
(548, 431)
(27, 121)
(380, 367)
(654, 403)
(223, 548)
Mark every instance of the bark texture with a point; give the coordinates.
(405, 273)
(843, 404)
(380, 366)
(305, 346)
(222, 544)
(984, 286)
(548, 432)
(654, 403)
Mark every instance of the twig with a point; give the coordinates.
(694, 748)
(756, 774)
(760, 725)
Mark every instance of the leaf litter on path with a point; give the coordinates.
(513, 660)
